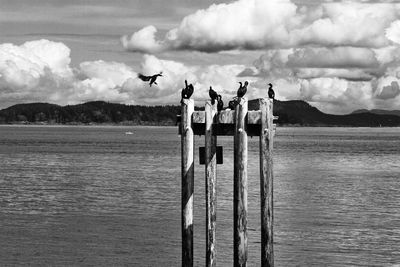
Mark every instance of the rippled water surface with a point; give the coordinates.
(99, 197)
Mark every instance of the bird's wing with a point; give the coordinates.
(143, 77)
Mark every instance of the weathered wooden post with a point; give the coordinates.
(211, 181)
(240, 186)
(266, 182)
(239, 123)
(187, 150)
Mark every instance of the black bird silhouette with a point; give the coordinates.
(187, 91)
(242, 89)
(213, 95)
(220, 105)
(271, 92)
(151, 78)
(233, 103)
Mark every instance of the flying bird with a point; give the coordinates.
(220, 105)
(187, 91)
(271, 93)
(213, 95)
(151, 78)
(242, 89)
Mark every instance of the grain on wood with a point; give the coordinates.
(211, 182)
(240, 186)
(266, 182)
(187, 150)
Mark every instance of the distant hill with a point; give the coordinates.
(296, 112)
(300, 113)
(378, 111)
(95, 112)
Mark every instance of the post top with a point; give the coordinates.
(208, 103)
(266, 100)
(187, 101)
(242, 100)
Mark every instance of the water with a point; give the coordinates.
(96, 196)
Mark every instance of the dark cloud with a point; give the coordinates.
(337, 57)
(389, 91)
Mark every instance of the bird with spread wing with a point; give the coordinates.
(151, 78)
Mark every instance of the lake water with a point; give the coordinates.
(95, 196)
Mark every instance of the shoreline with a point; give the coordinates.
(170, 125)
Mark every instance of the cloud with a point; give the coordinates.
(348, 24)
(393, 32)
(33, 69)
(387, 88)
(390, 91)
(221, 77)
(258, 24)
(336, 79)
(337, 57)
(350, 63)
(337, 96)
(346, 74)
(142, 41)
(40, 71)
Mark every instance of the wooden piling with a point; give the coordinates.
(266, 182)
(211, 182)
(240, 186)
(187, 150)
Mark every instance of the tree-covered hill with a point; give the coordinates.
(296, 112)
(90, 112)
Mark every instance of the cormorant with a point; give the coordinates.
(233, 103)
(213, 95)
(220, 105)
(271, 92)
(151, 78)
(187, 91)
(242, 89)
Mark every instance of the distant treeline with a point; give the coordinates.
(97, 112)
(295, 113)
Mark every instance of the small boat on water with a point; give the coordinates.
(127, 133)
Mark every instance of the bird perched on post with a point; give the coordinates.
(242, 89)
(271, 93)
(232, 104)
(151, 78)
(187, 92)
(213, 95)
(220, 104)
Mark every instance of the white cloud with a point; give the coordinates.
(40, 71)
(143, 40)
(348, 24)
(255, 24)
(336, 96)
(393, 32)
(241, 24)
(335, 55)
(222, 78)
(29, 73)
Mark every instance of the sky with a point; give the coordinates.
(338, 56)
